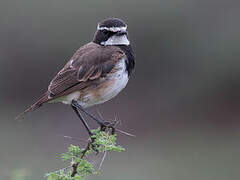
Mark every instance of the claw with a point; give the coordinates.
(108, 125)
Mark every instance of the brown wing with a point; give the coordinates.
(88, 64)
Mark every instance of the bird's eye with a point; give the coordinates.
(105, 32)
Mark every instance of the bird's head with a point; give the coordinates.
(111, 31)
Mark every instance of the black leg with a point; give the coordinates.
(83, 121)
(103, 124)
(75, 104)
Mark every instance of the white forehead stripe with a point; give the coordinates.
(113, 29)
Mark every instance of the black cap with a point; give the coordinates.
(112, 22)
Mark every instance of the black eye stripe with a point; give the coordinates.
(109, 33)
(104, 31)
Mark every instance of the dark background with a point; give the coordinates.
(182, 102)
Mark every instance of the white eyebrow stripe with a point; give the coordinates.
(113, 29)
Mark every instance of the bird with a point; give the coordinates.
(95, 73)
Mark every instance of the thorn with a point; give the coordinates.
(104, 156)
(126, 133)
(73, 138)
(119, 121)
(99, 113)
(63, 169)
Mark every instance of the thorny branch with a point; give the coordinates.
(102, 140)
(90, 144)
(75, 165)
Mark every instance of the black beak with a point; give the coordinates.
(120, 33)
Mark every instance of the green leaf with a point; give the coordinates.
(74, 150)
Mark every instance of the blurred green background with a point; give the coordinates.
(182, 102)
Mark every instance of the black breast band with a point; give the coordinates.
(130, 61)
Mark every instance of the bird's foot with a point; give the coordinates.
(107, 125)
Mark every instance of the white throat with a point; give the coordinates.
(116, 40)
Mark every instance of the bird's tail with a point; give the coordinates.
(44, 98)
